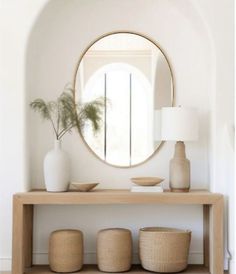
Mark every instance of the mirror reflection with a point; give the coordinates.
(134, 77)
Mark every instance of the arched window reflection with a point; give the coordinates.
(128, 112)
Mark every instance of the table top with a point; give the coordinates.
(116, 196)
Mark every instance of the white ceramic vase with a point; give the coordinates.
(57, 169)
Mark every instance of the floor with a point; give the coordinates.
(8, 272)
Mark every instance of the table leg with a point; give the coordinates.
(28, 234)
(217, 237)
(22, 236)
(206, 227)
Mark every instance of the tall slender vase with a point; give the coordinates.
(57, 169)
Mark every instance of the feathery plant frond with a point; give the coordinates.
(65, 114)
(67, 109)
(91, 112)
(43, 108)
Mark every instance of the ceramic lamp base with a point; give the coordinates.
(179, 189)
(179, 170)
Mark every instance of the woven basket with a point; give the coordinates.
(66, 250)
(114, 250)
(164, 249)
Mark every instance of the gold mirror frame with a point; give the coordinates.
(172, 92)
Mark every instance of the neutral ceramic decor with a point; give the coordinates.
(82, 187)
(64, 115)
(57, 169)
(66, 250)
(114, 250)
(134, 76)
(147, 181)
(164, 250)
(179, 124)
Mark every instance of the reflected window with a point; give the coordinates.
(128, 112)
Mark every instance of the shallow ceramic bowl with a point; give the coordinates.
(82, 187)
(147, 181)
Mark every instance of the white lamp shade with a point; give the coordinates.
(179, 124)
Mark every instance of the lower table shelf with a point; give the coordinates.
(23, 215)
(92, 269)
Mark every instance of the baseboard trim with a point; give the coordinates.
(5, 264)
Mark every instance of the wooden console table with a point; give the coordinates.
(23, 203)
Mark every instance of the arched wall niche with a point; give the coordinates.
(61, 32)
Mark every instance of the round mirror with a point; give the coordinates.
(134, 77)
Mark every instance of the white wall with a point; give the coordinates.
(193, 42)
(52, 43)
(221, 155)
(16, 18)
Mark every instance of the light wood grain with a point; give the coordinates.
(18, 237)
(92, 269)
(147, 181)
(23, 221)
(225, 272)
(117, 197)
(216, 239)
(22, 236)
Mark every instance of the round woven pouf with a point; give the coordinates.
(164, 250)
(66, 250)
(114, 250)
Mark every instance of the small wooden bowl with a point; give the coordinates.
(147, 181)
(82, 187)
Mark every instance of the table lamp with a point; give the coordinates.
(179, 124)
